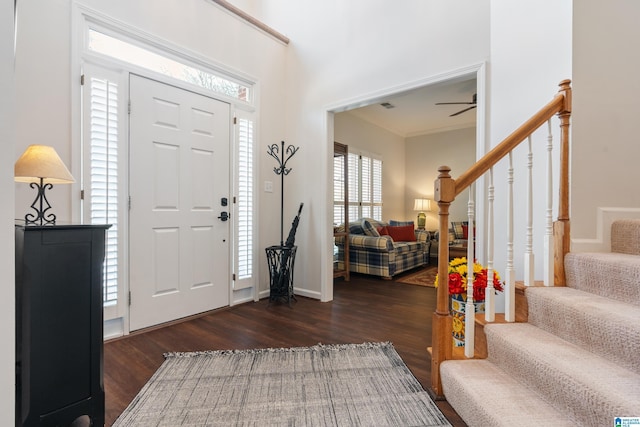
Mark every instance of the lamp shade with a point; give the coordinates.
(422, 205)
(41, 161)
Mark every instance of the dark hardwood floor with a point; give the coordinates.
(364, 309)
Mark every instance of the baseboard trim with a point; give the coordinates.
(296, 291)
(605, 217)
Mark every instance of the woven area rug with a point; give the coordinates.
(423, 277)
(324, 385)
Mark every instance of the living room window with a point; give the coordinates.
(365, 185)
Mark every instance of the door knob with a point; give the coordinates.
(224, 216)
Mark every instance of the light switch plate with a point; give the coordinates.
(268, 187)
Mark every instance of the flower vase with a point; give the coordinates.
(458, 306)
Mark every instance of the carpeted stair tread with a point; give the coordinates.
(601, 325)
(625, 236)
(484, 395)
(608, 274)
(588, 388)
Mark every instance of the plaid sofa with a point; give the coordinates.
(370, 253)
(456, 235)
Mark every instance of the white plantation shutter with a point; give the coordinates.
(244, 258)
(353, 161)
(338, 190)
(101, 188)
(365, 186)
(376, 188)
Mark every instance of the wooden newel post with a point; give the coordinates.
(562, 227)
(441, 342)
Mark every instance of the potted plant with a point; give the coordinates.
(457, 281)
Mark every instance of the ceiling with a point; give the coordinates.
(415, 112)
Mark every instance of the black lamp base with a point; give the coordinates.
(41, 206)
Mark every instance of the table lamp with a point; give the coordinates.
(41, 166)
(422, 205)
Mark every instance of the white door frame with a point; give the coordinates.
(477, 70)
(82, 18)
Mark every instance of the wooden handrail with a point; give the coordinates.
(253, 21)
(561, 103)
(445, 191)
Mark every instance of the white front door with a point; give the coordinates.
(179, 178)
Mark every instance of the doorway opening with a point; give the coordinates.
(397, 124)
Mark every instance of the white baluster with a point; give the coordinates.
(510, 273)
(490, 305)
(548, 235)
(528, 255)
(471, 210)
(470, 308)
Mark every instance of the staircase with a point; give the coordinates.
(577, 359)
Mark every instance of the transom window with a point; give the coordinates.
(107, 45)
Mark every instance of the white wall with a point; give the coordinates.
(424, 155)
(360, 134)
(605, 149)
(7, 263)
(357, 49)
(43, 89)
(530, 55)
(44, 78)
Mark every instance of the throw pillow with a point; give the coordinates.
(383, 231)
(369, 229)
(356, 228)
(465, 232)
(403, 233)
(457, 228)
(395, 223)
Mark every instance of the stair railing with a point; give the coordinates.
(556, 239)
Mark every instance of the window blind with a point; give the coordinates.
(103, 182)
(365, 186)
(244, 252)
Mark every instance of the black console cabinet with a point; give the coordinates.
(59, 338)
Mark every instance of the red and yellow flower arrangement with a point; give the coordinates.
(458, 279)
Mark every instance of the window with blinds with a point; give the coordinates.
(365, 186)
(244, 223)
(338, 190)
(102, 189)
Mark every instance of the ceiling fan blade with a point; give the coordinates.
(455, 103)
(462, 111)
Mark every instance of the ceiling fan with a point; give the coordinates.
(472, 103)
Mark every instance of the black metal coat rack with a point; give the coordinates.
(282, 156)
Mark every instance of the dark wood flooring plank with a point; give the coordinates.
(364, 309)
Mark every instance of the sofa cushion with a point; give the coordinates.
(395, 223)
(457, 229)
(383, 231)
(403, 233)
(404, 247)
(356, 228)
(369, 228)
(369, 243)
